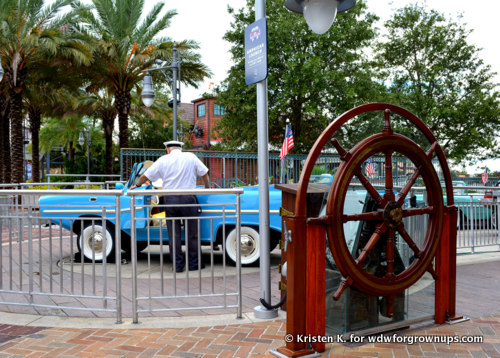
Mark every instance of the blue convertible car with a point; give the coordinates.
(92, 217)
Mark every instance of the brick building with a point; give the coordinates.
(206, 114)
(203, 135)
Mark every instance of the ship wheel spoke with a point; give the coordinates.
(344, 283)
(379, 231)
(433, 273)
(389, 185)
(368, 216)
(381, 201)
(418, 211)
(390, 253)
(409, 184)
(406, 237)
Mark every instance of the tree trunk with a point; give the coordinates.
(71, 151)
(4, 140)
(35, 122)
(108, 122)
(16, 86)
(122, 105)
(16, 120)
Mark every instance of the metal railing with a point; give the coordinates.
(44, 269)
(37, 259)
(186, 287)
(477, 218)
(49, 176)
(232, 169)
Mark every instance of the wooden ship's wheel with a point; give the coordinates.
(382, 234)
(387, 218)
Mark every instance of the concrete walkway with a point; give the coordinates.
(478, 297)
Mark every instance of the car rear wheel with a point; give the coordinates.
(250, 248)
(96, 242)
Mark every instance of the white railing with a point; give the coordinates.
(43, 269)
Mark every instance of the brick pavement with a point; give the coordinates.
(478, 292)
(245, 340)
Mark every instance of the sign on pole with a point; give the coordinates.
(256, 52)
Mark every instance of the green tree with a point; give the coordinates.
(127, 44)
(63, 132)
(312, 78)
(435, 73)
(99, 105)
(31, 32)
(51, 90)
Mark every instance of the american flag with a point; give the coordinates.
(287, 143)
(484, 176)
(370, 170)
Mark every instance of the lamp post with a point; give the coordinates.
(148, 94)
(319, 15)
(81, 141)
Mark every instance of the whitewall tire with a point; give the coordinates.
(91, 242)
(250, 246)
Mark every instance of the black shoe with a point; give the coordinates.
(179, 269)
(195, 268)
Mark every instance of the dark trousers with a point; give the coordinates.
(174, 229)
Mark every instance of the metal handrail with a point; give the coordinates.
(137, 192)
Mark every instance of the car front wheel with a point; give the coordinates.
(250, 248)
(95, 242)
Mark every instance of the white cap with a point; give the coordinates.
(173, 143)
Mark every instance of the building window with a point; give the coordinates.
(219, 110)
(200, 109)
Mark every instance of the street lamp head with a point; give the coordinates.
(81, 138)
(148, 94)
(319, 14)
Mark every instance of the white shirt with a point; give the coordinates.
(177, 170)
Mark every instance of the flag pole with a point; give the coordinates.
(283, 161)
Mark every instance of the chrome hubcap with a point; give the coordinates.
(96, 242)
(247, 245)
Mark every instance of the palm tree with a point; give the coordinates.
(31, 32)
(53, 89)
(128, 44)
(62, 132)
(100, 105)
(4, 135)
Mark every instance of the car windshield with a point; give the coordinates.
(137, 170)
(132, 175)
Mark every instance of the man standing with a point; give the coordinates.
(179, 170)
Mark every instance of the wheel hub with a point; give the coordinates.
(96, 242)
(247, 245)
(393, 214)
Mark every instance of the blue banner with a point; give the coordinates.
(256, 52)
